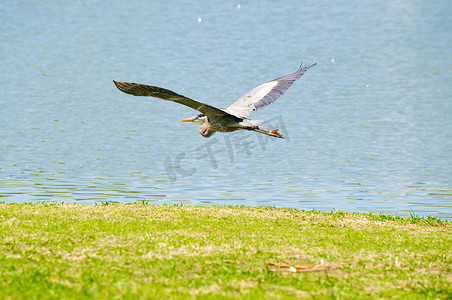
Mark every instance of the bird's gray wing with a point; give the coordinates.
(265, 94)
(137, 89)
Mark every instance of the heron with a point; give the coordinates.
(236, 116)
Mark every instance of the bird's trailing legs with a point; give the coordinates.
(274, 132)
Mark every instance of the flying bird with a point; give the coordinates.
(233, 118)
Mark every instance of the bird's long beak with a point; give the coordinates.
(188, 120)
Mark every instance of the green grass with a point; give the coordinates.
(66, 251)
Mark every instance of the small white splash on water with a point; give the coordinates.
(367, 85)
(332, 60)
(239, 6)
(199, 20)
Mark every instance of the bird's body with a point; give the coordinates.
(227, 124)
(233, 118)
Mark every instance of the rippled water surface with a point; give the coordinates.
(368, 129)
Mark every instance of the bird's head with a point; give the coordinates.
(201, 118)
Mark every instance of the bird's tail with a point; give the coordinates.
(274, 132)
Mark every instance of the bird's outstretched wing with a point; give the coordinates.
(265, 94)
(137, 89)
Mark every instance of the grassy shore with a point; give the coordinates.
(66, 251)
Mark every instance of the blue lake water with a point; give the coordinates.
(368, 129)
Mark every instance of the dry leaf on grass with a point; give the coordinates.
(289, 268)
